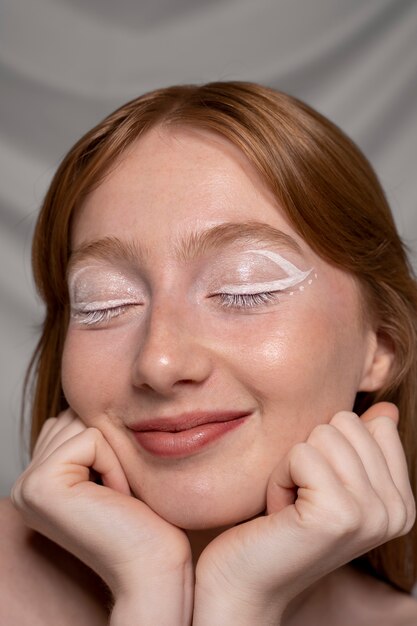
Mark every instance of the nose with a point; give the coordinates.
(171, 353)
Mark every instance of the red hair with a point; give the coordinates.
(331, 196)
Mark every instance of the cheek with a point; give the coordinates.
(76, 365)
(91, 375)
(300, 363)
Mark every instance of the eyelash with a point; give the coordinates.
(227, 300)
(99, 316)
(246, 300)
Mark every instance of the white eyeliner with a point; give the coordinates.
(97, 305)
(295, 276)
(101, 304)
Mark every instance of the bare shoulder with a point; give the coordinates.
(41, 584)
(401, 612)
(349, 596)
(407, 610)
(379, 604)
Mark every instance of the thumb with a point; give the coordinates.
(281, 490)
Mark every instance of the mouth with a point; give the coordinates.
(186, 434)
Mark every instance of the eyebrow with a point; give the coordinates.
(190, 246)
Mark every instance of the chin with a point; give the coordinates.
(206, 515)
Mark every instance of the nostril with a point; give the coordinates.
(185, 381)
(164, 363)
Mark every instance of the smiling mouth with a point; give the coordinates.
(187, 434)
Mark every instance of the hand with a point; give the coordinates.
(336, 496)
(121, 538)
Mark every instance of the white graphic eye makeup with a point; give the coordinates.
(255, 294)
(97, 295)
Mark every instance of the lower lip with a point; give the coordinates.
(185, 442)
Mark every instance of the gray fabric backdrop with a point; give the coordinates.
(64, 64)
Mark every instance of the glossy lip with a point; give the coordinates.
(185, 434)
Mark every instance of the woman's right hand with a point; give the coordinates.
(136, 552)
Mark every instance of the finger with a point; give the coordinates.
(380, 506)
(318, 486)
(375, 464)
(278, 496)
(376, 442)
(57, 435)
(389, 442)
(342, 461)
(387, 409)
(49, 429)
(341, 455)
(380, 420)
(84, 451)
(386, 436)
(43, 436)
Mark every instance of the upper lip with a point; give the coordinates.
(177, 423)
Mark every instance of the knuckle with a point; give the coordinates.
(378, 521)
(320, 433)
(349, 517)
(93, 433)
(47, 423)
(15, 493)
(410, 508)
(399, 513)
(345, 422)
(298, 452)
(29, 488)
(33, 490)
(343, 418)
(345, 518)
(50, 420)
(352, 518)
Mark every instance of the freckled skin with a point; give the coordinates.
(294, 363)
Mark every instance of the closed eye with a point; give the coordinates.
(247, 300)
(97, 317)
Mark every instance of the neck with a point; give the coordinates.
(199, 540)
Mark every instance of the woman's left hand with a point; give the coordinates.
(336, 496)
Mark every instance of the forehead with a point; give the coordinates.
(171, 182)
(172, 188)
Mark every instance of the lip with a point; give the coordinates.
(185, 434)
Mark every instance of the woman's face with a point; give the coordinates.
(172, 257)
